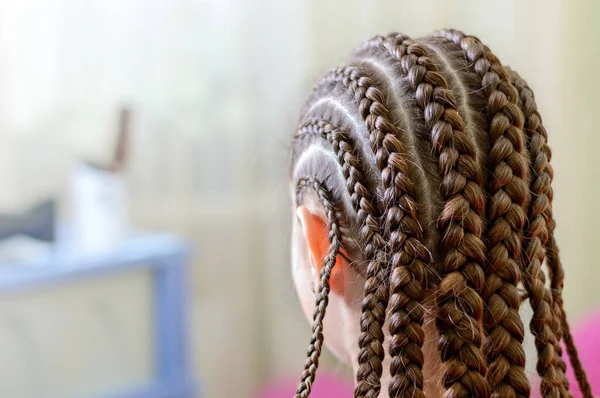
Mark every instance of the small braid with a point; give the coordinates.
(463, 248)
(557, 277)
(316, 341)
(408, 254)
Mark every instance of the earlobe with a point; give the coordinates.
(316, 235)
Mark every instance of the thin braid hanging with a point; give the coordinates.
(556, 276)
(316, 341)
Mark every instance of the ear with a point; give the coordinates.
(316, 235)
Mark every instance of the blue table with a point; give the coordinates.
(166, 256)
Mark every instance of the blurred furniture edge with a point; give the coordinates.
(166, 256)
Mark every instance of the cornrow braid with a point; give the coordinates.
(407, 314)
(316, 341)
(463, 249)
(407, 253)
(506, 215)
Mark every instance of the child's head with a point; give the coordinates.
(421, 183)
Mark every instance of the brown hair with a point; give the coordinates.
(431, 161)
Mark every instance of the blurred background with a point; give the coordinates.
(177, 115)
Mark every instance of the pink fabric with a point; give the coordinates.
(587, 340)
(326, 386)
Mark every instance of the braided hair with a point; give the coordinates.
(431, 162)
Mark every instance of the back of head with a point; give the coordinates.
(431, 163)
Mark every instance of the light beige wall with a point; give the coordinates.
(216, 87)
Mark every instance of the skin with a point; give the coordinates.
(310, 242)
